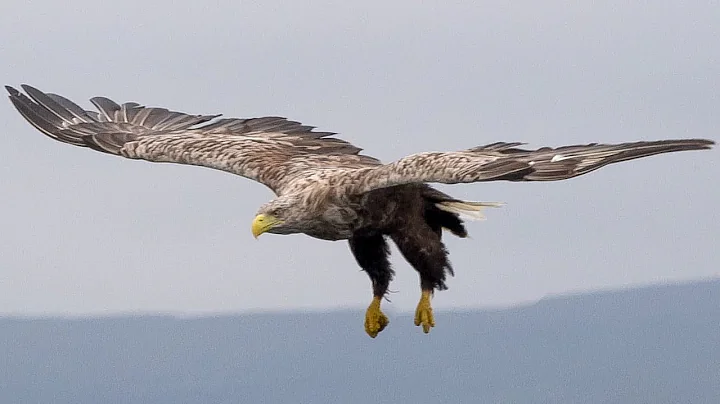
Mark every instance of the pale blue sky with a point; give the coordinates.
(84, 232)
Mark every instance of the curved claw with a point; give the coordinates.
(423, 313)
(375, 319)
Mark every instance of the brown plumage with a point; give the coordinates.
(325, 188)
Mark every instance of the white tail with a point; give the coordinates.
(467, 210)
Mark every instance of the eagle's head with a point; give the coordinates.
(278, 216)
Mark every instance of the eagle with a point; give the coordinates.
(325, 188)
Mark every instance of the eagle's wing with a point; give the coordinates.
(271, 150)
(504, 161)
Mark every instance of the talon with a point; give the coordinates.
(375, 320)
(423, 313)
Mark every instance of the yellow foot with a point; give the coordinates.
(375, 320)
(423, 313)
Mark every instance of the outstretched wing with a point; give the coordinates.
(504, 161)
(271, 150)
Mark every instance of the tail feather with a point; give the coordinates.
(466, 209)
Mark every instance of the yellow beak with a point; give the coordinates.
(262, 223)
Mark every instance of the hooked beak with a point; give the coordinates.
(262, 223)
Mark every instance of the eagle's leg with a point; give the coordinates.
(371, 252)
(375, 319)
(423, 312)
(423, 249)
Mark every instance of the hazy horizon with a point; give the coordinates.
(649, 345)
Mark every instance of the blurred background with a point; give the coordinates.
(86, 233)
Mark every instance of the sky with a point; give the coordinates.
(84, 233)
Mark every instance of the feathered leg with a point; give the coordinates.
(422, 248)
(371, 252)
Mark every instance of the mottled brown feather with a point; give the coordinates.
(503, 161)
(288, 156)
(272, 150)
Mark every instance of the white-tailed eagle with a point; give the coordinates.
(325, 188)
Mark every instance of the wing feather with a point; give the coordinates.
(285, 155)
(503, 161)
(272, 150)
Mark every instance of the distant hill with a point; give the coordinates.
(650, 345)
